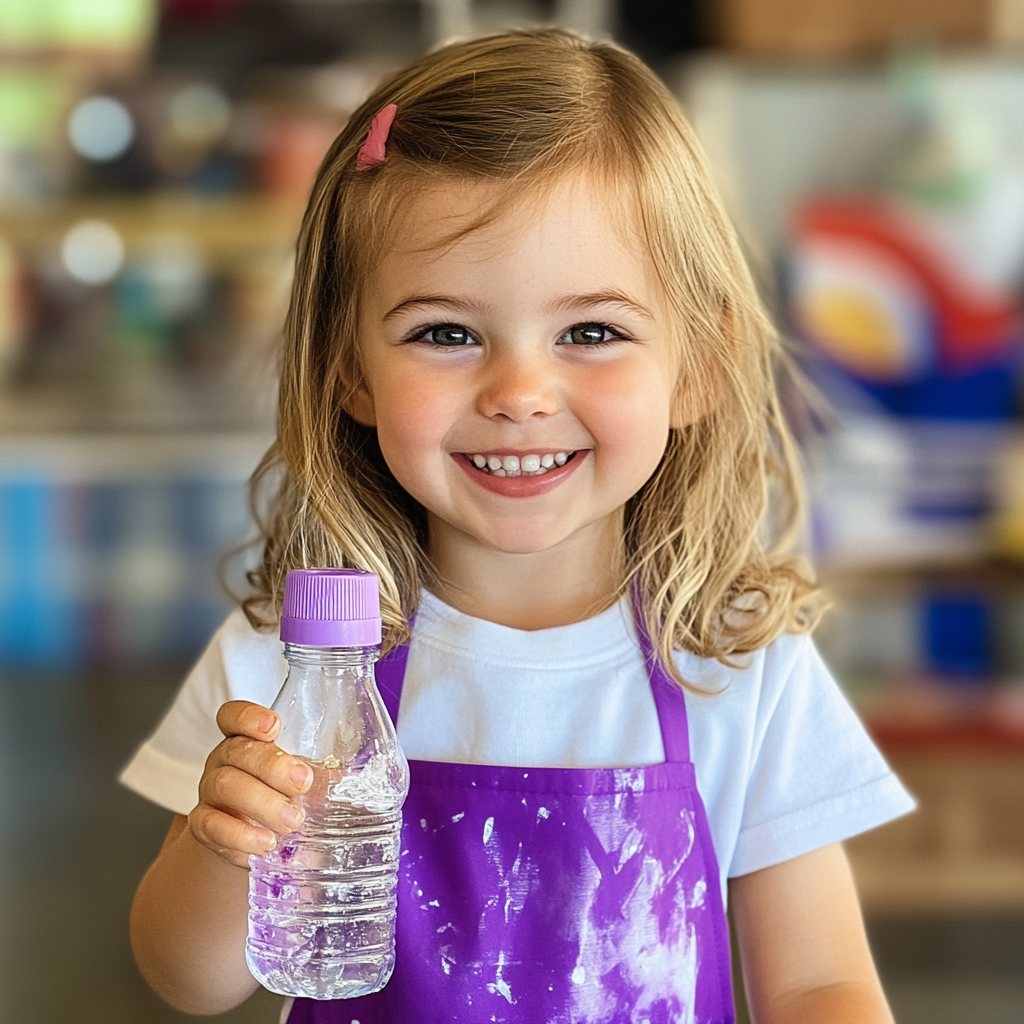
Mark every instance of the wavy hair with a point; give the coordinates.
(708, 541)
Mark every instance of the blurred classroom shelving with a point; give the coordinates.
(917, 517)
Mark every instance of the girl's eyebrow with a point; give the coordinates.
(565, 304)
(416, 301)
(572, 303)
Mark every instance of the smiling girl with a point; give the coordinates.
(528, 383)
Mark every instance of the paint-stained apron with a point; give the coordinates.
(553, 895)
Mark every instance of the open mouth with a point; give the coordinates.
(534, 464)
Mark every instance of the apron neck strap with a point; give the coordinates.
(389, 673)
(668, 695)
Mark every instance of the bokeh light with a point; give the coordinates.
(92, 252)
(175, 272)
(200, 113)
(101, 128)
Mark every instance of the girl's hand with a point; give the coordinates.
(247, 788)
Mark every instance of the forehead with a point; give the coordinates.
(581, 218)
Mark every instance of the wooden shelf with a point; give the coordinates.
(225, 227)
(914, 886)
(153, 400)
(926, 716)
(990, 572)
(962, 850)
(82, 459)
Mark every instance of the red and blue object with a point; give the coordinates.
(889, 310)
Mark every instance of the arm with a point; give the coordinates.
(802, 944)
(189, 918)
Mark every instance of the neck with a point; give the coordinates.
(567, 583)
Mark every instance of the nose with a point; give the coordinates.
(517, 388)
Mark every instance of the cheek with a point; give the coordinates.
(630, 414)
(406, 408)
(412, 423)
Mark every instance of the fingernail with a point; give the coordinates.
(267, 839)
(291, 815)
(302, 774)
(267, 721)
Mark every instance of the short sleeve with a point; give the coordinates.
(815, 776)
(238, 664)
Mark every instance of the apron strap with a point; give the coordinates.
(668, 694)
(389, 673)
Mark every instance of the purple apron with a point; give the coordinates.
(553, 895)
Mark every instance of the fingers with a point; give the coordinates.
(266, 763)
(243, 718)
(246, 751)
(247, 789)
(255, 784)
(232, 838)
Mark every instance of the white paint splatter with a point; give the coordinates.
(631, 778)
(517, 884)
(500, 986)
(433, 903)
(488, 829)
(423, 824)
(459, 816)
(658, 968)
(699, 891)
(579, 974)
(447, 960)
(543, 812)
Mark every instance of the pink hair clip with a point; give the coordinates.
(371, 152)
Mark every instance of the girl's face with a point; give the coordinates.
(520, 379)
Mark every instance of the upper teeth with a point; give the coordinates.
(513, 465)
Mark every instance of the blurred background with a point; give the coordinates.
(154, 161)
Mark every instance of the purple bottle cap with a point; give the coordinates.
(331, 608)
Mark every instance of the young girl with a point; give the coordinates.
(527, 381)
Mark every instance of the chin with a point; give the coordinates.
(518, 546)
(520, 541)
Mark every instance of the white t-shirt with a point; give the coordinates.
(782, 762)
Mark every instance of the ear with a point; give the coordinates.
(360, 406)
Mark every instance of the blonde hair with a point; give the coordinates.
(713, 575)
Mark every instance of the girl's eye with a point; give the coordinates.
(590, 334)
(446, 335)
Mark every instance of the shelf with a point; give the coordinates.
(123, 456)
(978, 885)
(986, 570)
(916, 717)
(225, 227)
(108, 394)
(962, 850)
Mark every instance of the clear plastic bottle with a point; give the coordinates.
(322, 904)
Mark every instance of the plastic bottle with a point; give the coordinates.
(322, 903)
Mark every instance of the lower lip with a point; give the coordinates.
(520, 486)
